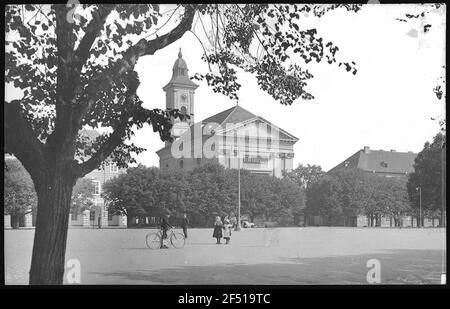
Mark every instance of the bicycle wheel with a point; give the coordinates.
(177, 240)
(153, 240)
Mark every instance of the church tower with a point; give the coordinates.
(180, 95)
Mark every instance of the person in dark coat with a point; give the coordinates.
(165, 226)
(184, 225)
(218, 229)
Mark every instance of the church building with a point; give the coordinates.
(235, 138)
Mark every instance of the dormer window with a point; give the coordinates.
(384, 164)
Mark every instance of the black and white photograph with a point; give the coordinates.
(219, 144)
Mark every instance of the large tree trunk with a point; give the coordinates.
(54, 193)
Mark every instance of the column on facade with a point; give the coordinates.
(122, 220)
(28, 220)
(104, 216)
(7, 224)
(86, 216)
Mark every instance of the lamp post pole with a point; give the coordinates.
(420, 207)
(238, 226)
(443, 187)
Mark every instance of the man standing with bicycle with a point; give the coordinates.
(165, 226)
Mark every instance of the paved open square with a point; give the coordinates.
(312, 255)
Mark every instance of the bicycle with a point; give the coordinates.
(176, 239)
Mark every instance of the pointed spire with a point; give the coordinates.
(180, 73)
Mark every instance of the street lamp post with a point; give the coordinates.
(238, 226)
(420, 206)
(443, 187)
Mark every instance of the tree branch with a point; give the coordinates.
(20, 139)
(130, 58)
(92, 31)
(115, 139)
(105, 150)
(144, 47)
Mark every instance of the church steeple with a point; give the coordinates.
(180, 75)
(180, 94)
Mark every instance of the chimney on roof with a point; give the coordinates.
(392, 150)
(366, 149)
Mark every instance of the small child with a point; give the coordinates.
(227, 229)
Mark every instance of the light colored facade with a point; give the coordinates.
(99, 210)
(234, 137)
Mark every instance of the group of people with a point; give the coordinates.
(221, 229)
(226, 226)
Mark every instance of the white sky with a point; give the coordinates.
(386, 105)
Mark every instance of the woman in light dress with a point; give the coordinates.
(227, 226)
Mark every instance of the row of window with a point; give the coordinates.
(181, 163)
(247, 141)
(91, 216)
(113, 168)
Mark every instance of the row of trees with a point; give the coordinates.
(347, 193)
(211, 190)
(203, 193)
(19, 195)
(350, 192)
(429, 176)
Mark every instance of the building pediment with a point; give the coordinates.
(256, 126)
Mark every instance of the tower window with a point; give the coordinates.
(183, 113)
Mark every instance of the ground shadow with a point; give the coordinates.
(397, 267)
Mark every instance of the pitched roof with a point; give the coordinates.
(231, 115)
(234, 115)
(380, 161)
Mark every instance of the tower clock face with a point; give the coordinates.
(184, 97)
